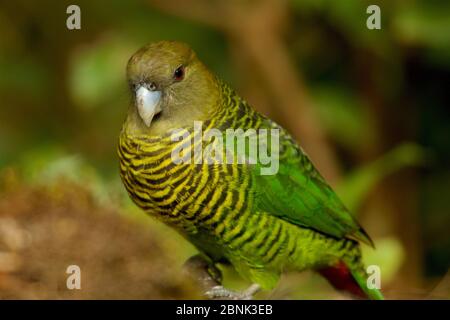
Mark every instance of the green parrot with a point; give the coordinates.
(261, 224)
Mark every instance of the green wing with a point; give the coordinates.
(299, 194)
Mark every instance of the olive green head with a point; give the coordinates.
(171, 88)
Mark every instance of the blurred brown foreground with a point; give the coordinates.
(44, 230)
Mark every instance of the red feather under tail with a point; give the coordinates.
(341, 278)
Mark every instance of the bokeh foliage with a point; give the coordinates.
(380, 97)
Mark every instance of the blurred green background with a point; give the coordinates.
(371, 108)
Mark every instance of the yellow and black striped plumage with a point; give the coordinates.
(261, 225)
(212, 205)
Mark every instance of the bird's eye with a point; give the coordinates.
(178, 74)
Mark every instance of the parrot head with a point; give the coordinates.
(170, 88)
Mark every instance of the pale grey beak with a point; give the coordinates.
(148, 104)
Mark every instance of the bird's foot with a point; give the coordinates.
(203, 271)
(221, 293)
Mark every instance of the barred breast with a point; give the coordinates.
(210, 203)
